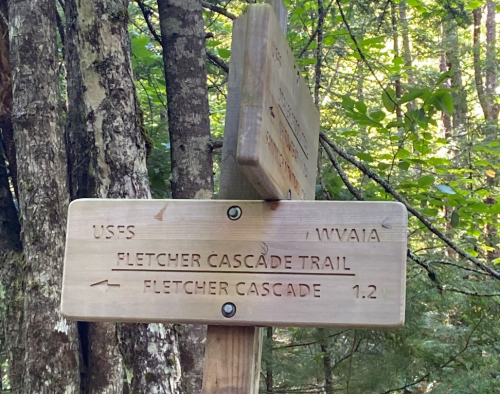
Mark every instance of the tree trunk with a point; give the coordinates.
(11, 258)
(453, 63)
(183, 40)
(405, 36)
(107, 150)
(327, 361)
(486, 92)
(6, 130)
(269, 363)
(52, 346)
(487, 95)
(397, 80)
(183, 37)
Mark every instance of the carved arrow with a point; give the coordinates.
(104, 285)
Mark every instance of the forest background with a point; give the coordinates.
(409, 101)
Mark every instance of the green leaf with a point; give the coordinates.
(445, 102)
(426, 180)
(365, 156)
(329, 40)
(398, 61)
(395, 124)
(224, 53)
(472, 5)
(403, 153)
(377, 115)
(139, 46)
(387, 99)
(445, 189)
(444, 76)
(308, 62)
(411, 96)
(348, 102)
(404, 165)
(361, 107)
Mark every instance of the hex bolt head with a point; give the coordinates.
(228, 310)
(234, 212)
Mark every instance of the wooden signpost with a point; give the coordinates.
(279, 123)
(236, 264)
(288, 263)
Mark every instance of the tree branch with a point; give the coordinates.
(218, 61)
(315, 33)
(388, 188)
(151, 28)
(319, 52)
(219, 10)
(210, 55)
(340, 170)
(469, 293)
(363, 57)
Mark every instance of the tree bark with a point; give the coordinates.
(6, 130)
(183, 40)
(486, 92)
(397, 80)
(487, 95)
(107, 151)
(183, 37)
(12, 281)
(52, 347)
(11, 258)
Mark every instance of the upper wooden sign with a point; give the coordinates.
(288, 263)
(279, 123)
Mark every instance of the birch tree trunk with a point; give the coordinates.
(183, 40)
(51, 343)
(107, 150)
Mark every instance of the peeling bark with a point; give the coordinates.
(107, 155)
(52, 346)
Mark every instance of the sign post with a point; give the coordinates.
(236, 264)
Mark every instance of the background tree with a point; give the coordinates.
(107, 152)
(50, 343)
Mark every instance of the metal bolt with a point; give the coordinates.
(228, 310)
(234, 212)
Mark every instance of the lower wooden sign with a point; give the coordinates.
(287, 263)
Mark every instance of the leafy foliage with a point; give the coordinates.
(391, 106)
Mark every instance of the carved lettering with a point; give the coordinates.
(247, 289)
(113, 231)
(347, 235)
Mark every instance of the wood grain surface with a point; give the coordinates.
(288, 263)
(279, 123)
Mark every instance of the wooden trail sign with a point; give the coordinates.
(289, 263)
(279, 124)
